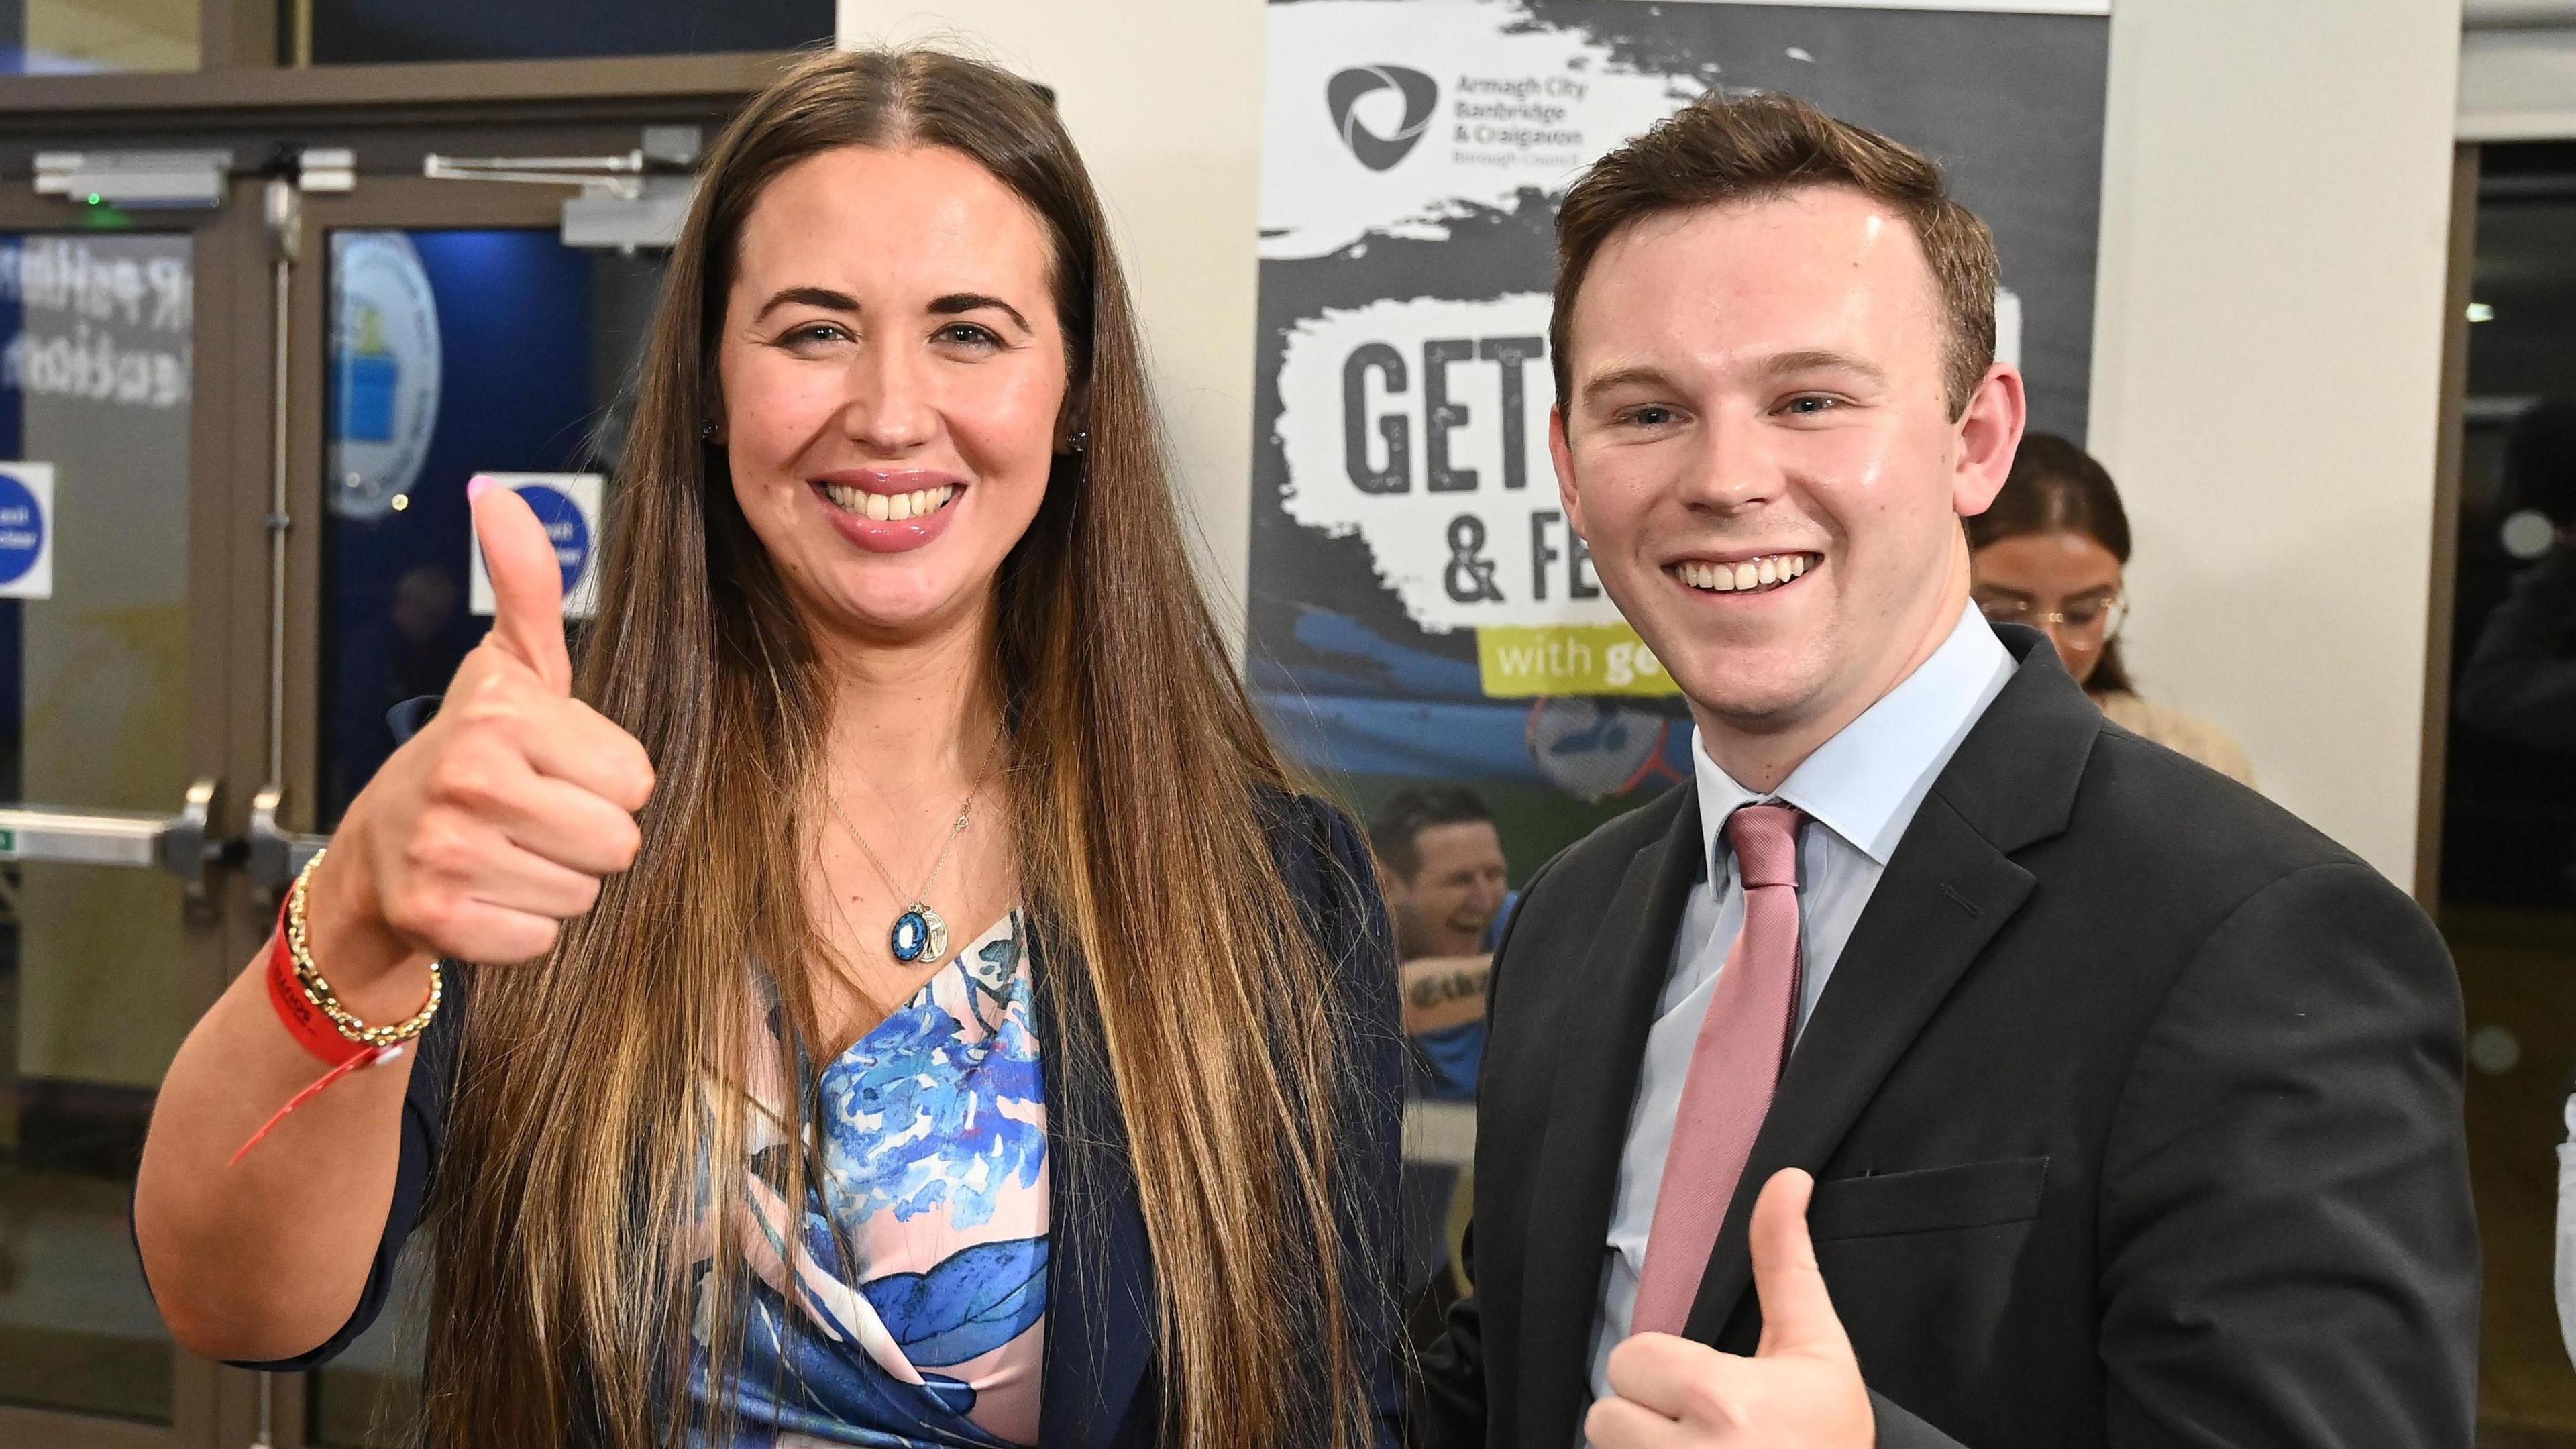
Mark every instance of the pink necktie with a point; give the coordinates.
(1735, 1065)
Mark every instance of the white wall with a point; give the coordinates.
(2266, 377)
(1164, 98)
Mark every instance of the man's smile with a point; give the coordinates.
(1759, 573)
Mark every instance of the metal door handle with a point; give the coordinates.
(277, 855)
(176, 843)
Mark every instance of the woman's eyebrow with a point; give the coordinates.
(959, 302)
(823, 297)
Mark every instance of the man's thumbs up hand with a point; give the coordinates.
(1797, 1313)
(1802, 1388)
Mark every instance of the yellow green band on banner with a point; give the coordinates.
(1520, 662)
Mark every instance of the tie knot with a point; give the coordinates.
(1765, 839)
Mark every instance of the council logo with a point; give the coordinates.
(385, 371)
(1344, 92)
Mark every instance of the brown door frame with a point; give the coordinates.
(383, 203)
(357, 94)
(238, 40)
(378, 202)
(389, 203)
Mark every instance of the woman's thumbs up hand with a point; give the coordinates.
(498, 821)
(527, 584)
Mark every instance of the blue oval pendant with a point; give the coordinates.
(911, 936)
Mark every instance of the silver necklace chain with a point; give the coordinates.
(955, 829)
(855, 933)
(918, 929)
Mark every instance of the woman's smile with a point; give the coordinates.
(889, 510)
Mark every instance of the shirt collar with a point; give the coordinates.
(1865, 783)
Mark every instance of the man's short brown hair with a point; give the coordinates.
(1722, 149)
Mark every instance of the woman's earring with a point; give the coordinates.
(706, 432)
(1079, 443)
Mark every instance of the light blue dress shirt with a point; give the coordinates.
(1859, 790)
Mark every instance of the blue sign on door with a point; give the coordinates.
(567, 505)
(565, 525)
(26, 530)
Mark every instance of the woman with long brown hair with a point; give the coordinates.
(938, 1018)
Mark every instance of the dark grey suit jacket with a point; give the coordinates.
(2134, 1106)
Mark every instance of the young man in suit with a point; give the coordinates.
(2099, 1102)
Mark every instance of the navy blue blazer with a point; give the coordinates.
(1098, 1392)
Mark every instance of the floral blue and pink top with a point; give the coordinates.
(915, 1311)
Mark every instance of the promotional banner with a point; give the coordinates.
(1421, 608)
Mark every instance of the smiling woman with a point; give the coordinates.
(888, 408)
(896, 629)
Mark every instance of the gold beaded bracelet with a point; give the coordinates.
(319, 992)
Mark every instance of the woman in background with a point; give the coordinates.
(728, 1138)
(2050, 554)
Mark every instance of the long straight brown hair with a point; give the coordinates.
(596, 1085)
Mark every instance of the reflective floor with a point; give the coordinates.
(2515, 976)
(77, 1331)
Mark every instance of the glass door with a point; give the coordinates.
(114, 610)
(2508, 786)
(443, 328)
(234, 437)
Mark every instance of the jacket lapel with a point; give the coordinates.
(1949, 887)
(1101, 1291)
(1933, 911)
(1577, 1180)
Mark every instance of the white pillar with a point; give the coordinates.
(2267, 355)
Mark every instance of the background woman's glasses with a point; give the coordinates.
(2088, 623)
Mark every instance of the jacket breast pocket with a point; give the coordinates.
(1927, 1200)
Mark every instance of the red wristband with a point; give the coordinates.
(304, 1021)
(312, 1030)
